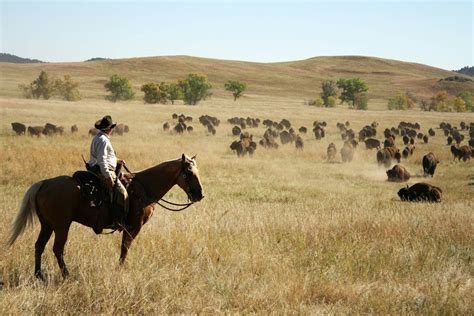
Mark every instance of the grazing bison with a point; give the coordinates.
(189, 128)
(406, 140)
(74, 129)
(449, 140)
(431, 132)
(331, 151)
(347, 152)
(398, 174)
(35, 130)
(461, 152)
(303, 130)
(120, 129)
(372, 143)
(166, 126)
(285, 137)
(244, 146)
(429, 164)
(425, 139)
(420, 192)
(18, 128)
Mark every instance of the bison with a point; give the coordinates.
(429, 164)
(398, 174)
(35, 130)
(420, 192)
(372, 143)
(236, 131)
(74, 129)
(18, 128)
(299, 142)
(166, 126)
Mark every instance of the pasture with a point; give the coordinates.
(284, 231)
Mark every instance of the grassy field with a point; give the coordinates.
(282, 232)
(298, 79)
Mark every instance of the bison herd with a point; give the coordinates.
(281, 133)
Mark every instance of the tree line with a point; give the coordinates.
(191, 90)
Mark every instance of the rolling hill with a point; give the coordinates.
(295, 79)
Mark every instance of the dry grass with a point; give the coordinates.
(282, 232)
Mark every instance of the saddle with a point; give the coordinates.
(92, 188)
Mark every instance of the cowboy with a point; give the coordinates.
(104, 163)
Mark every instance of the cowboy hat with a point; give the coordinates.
(105, 123)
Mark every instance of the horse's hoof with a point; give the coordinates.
(39, 275)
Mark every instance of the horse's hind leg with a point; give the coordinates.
(43, 238)
(60, 238)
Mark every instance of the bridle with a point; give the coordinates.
(182, 206)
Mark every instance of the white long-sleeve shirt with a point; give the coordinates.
(103, 154)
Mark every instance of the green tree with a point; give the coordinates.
(67, 88)
(236, 87)
(174, 92)
(120, 89)
(195, 88)
(329, 89)
(352, 89)
(466, 96)
(40, 87)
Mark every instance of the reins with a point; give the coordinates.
(184, 205)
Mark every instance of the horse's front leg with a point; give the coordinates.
(127, 239)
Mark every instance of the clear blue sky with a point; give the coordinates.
(437, 33)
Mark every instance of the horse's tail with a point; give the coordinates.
(25, 213)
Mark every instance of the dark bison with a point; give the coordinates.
(398, 174)
(18, 128)
(431, 132)
(236, 131)
(35, 130)
(285, 137)
(180, 128)
(166, 126)
(347, 152)
(74, 129)
(406, 140)
(421, 192)
(461, 152)
(425, 139)
(189, 128)
(244, 146)
(429, 164)
(303, 130)
(389, 142)
(331, 151)
(372, 143)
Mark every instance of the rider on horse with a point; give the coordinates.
(104, 163)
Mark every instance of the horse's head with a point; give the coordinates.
(188, 179)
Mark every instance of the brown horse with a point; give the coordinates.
(58, 202)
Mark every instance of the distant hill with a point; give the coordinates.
(97, 59)
(9, 58)
(293, 79)
(466, 71)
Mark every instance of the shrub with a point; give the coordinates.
(329, 90)
(459, 105)
(399, 102)
(40, 87)
(331, 101)
(236, 87)
(466, 96)
(361, 101)
(67, 88)
(315, 102)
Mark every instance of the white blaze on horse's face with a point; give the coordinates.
(189, 179)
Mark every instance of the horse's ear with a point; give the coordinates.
(194, 157)
(183, 158)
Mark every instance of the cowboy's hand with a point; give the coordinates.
(121, 162)
(110, 182)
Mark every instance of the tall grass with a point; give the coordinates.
(282, 232)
